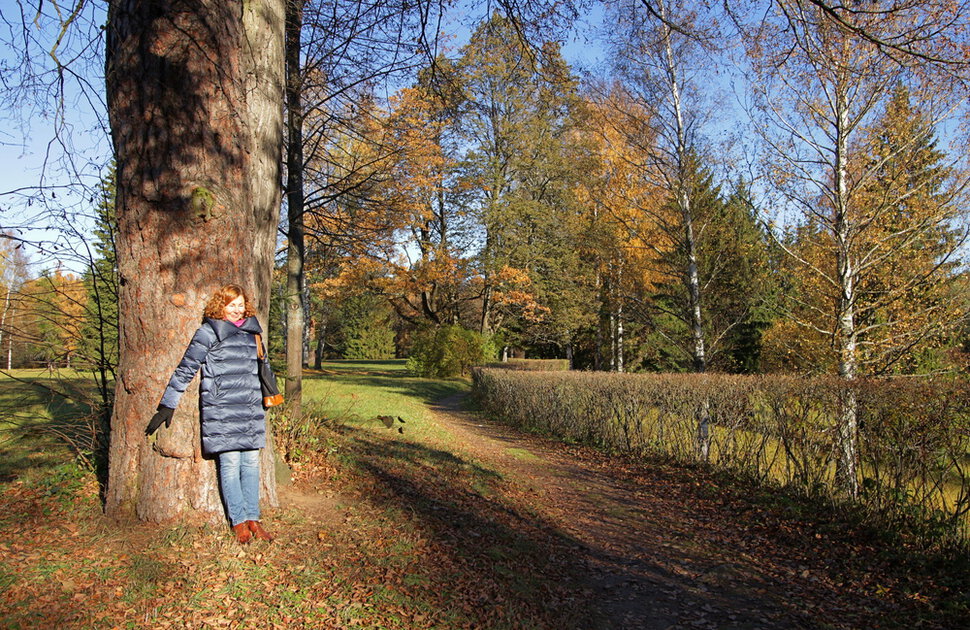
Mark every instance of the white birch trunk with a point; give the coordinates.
(846, 474)
(684, 201)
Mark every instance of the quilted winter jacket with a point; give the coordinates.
(230, 396)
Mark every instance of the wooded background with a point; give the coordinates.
(766, 187)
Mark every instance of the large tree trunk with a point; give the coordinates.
(485, 326)
(263, 21)
(179, 88)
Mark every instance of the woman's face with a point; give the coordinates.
(235, 309)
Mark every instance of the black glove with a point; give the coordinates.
(164, 414)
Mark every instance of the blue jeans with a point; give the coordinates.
(239, 481)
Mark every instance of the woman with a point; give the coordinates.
(233, 420)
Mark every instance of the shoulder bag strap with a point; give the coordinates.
(259, 347)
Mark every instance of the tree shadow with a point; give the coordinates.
(426, 390)
(526, 572)
(74, 422)
(364, 367)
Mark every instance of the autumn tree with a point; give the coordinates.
(621, 241)
(659, 50)
(658, 63)
(427, 190)
(821, 88)
(337, 52)
(519, 119)
(13, 275)
(193, 97)
(908, 297)
(51, 311)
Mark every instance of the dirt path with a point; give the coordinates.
(655, 553)
(601, 542)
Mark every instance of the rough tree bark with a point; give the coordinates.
(263, 23)
(186, 94)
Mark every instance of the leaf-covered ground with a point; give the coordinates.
(461, 523)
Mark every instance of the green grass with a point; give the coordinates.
(44, 417)
(354, 393)
(399, 553)
(420, 530)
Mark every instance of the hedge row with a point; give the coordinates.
(533, 365)
(913, 444)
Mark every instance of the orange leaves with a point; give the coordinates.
(507, 275)
(626, 204)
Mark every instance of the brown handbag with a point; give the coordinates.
(267, 380)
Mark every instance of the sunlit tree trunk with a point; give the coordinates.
(263, 21)
(846, 476)
(182, 96)
(682, 151)
(619, 338)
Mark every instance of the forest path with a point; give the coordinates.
(657, 546)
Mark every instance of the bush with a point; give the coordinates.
(913, 439)
(296, 439)
(448, 351)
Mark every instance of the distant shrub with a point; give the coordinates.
(536, 365)
(913, 443)
(448, 351)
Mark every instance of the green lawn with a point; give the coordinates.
(392, 552)
(355, 393)
(45, 419)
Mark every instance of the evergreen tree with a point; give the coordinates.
(365, 328)
(744, 291)
(99, 330)
(521, 117)
(733, 269)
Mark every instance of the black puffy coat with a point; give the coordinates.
(232, 403)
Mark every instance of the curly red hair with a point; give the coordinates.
(215, 308)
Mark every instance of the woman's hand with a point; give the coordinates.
(164, 414)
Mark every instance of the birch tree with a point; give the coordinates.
(659, 51)
(820, 86)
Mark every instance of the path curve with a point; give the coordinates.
(644, 550)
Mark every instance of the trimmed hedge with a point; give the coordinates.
(913, 445)
(534, 365)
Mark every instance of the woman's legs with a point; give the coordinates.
(239, 480)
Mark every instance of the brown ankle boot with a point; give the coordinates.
(242, 532)
(257, 529)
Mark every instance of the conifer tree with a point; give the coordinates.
(520, 117)
(908, 299)
(99, 331)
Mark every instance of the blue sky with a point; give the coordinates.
(40, 126)
(27, 130)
